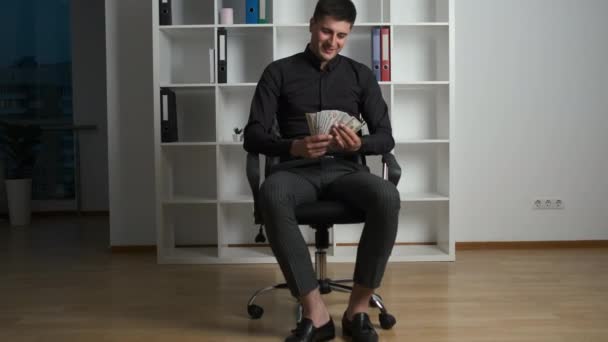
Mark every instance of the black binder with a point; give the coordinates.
(164, 12)
(222, 55)
(168, 115)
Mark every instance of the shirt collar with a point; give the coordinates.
(316, 62)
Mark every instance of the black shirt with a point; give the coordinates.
(293, 86)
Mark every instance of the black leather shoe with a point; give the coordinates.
(306, 332)
(360, 328)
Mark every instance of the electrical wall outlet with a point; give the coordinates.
(547, 203)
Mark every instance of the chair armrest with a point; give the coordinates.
(253, 177)
(390, 168)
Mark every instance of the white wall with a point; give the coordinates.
(531, 102)
(531, 119)
(130, 122)
(89, 99)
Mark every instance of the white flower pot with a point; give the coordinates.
(237, 137)
(19, 194)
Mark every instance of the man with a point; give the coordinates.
(319, 166)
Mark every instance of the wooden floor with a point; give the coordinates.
(58, 282)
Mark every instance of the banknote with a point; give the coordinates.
(322, 122)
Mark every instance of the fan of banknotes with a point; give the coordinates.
(322, 122)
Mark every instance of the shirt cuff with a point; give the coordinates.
(286, 146)
(364, 145)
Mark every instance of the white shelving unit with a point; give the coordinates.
(205, 206)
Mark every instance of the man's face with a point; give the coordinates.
(328, 36)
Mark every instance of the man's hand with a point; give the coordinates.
(345, 139)
(311, 147)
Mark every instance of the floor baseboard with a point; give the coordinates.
(475, 245)
(64, 213)
(460, 246)
(133, 249)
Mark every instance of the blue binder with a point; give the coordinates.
(376, 52)
(252, 7)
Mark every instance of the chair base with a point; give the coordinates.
(387, 321)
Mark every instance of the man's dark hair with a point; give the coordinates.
(341, 10)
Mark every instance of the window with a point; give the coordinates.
(36, 87)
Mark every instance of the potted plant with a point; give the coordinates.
(237, 136)
(19, 143)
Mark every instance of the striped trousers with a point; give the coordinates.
(332, 179)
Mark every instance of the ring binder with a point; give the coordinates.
(376, 52)
(252, 15)
(164, 12)
(168, 117)
(385, 53)
(222, 55)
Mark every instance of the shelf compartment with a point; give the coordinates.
(195, 109)
(192, 12)
(421, 225)
(386, 11)
(387, 96)
(289, 12)
(418, 224)
(233, 174)
(234, 104)
(188, 85)
(256, 254)
(412, 11)
(192, 225)
(239, 231)
(368, 11)
(186, 144)
(424, 24)
(238, 224)
(422, 141)
(184, 55)
(189, 172)
(293, 39)
(239, 10)
(249, 52)
(425, 168)
(188, 200)
(423, 197)
(421, 112)
(358, 46)
(247, 84)
(420, 53)
(375, 165)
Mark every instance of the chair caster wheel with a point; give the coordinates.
(372, 304)
(387, 321)
(255, 311)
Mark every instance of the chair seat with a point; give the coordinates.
(324, 212)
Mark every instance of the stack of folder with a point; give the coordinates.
(381, 53)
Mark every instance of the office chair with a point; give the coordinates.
(320, 216)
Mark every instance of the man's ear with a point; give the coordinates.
(310, 23)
